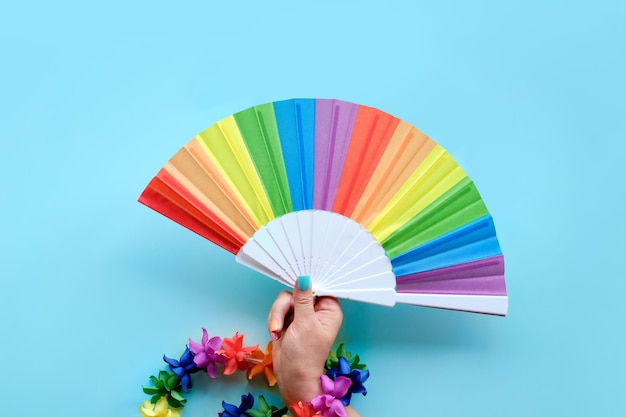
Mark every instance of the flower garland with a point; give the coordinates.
(344, 377)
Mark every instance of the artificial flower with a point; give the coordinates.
(235, 354)
(262, 362)
(329, 404)
(205, 353)
(166, 386)
(357, 376)
(302, 410)
(183, 368)
(160, 409)
(336, 388)
(230, 410)
(265, 410)
(333, 359)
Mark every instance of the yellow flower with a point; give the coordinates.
(160, 409)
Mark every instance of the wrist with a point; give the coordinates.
(303, 389)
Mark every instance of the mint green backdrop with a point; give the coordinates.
(95, 96)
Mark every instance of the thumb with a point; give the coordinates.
(303, 299)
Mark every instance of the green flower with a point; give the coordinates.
(265, 410)
(168, 386)
(332, 362)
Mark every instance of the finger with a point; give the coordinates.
(288, 320)
(303, 302)
(327, 303)
(328, 312)
(282, 306)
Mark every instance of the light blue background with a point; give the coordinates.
(529, 96)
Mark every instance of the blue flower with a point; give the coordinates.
(230, 410)
(357, 376)
(183, 368)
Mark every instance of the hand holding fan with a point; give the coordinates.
(366, 204)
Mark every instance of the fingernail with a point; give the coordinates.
(273, 325)
(274, 336)
(304, 283)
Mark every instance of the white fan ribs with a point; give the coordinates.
(342, 258)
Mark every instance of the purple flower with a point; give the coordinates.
(329, 404)
(230, 410)
(336, 388)
(204, 352)
(183, 368)
(357, 376)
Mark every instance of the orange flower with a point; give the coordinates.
(235, 354)
(302, 410)
(262, 362)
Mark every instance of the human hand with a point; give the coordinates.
(303, 331)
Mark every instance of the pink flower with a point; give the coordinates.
(329, 404)
(336, 388)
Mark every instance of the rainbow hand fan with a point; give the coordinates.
(366, 204)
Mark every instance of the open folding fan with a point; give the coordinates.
(366, 204)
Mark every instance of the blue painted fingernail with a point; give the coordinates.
(304, 283)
